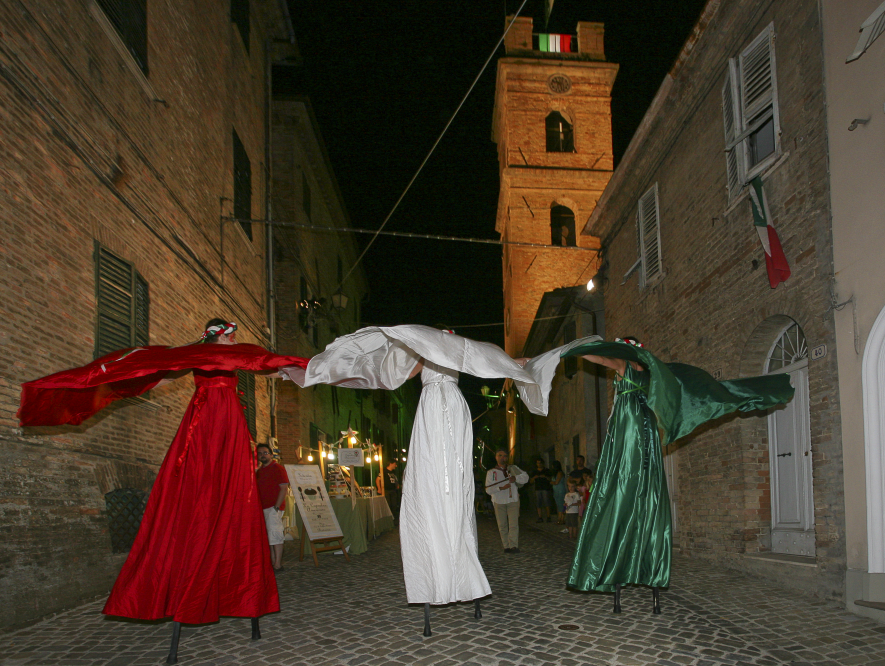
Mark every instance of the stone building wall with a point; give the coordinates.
(94, 151)
(714, 307)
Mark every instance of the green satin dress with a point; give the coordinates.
(626, 534)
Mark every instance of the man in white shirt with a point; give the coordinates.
(502, 483)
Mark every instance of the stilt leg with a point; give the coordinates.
(427, 620)
(617, 608)
(173, 649)
(477, 614)
(656, 602)
(256, 632)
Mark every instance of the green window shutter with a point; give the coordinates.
(113, 285)
(123, 303)
(142, 312)
(246, 391)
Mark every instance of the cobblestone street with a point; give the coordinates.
(355, 613)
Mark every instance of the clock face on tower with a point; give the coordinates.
(559, 84)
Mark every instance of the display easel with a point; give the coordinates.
(325, 544)
(319, 525)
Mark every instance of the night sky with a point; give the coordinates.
(384, 76)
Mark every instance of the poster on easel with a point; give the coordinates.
(306, 482)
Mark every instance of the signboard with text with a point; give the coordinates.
(306, 482)
(350, 457)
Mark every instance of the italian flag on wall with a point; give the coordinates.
(553, 43)
(775, 261)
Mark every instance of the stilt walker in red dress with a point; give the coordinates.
(202, 550)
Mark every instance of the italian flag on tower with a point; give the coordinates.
(775, 261)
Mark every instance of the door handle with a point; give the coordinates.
(784, 455)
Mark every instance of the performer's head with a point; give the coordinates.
(502, 456)
(633, 340)
(220, 331)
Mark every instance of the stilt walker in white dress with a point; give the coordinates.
(437, 520)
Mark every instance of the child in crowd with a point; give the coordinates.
(572, 507)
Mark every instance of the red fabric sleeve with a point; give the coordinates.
(72, 396)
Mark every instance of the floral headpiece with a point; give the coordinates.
(219, 329)
(630, 342)
(448, 330)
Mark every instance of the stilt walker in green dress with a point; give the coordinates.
(626, 537)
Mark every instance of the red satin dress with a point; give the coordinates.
(202, 548)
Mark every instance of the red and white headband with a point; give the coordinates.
(219, 329)
(630, 342)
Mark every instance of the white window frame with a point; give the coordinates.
(648, 231)
(869, 32)
(743, 117)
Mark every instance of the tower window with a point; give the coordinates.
(560, 134)
(562, 227)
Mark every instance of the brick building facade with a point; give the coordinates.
(125, 144)
(552, 124)
(316, 304)
(685, 271)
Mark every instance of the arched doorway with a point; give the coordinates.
(789, 447)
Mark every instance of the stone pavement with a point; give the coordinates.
(355, 613)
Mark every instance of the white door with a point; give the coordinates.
(789, 445)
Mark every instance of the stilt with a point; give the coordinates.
(656, 602)
(617, 608)
(256, 632)
(477, 614)
(173, 649)
(427, 620)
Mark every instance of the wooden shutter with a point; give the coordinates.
(757, 77)
(732, 124)
(142, 312)
(123, 304)
(869, 32)
(649, 236)
(246, 391)
(242, 185)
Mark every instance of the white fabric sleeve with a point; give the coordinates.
(522, 478)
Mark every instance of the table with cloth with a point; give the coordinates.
(367, 517)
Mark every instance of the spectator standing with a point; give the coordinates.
(543, 489)
(558, 489)
(578, 472)
(273, 484)
(392, 487)
(572, 506)
(502, 484)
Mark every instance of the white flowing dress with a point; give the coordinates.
(437, 520)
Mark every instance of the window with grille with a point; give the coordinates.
(125, 508)
(562, 226)
(246, 391)
(560, 134)
(750, 112)
(239, 16)
(129, 18)
(242, 185)
(123, 304)
(789, 348)
(649, 237)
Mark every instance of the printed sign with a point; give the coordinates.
(351, 457)
(306, 482)
(818, 352)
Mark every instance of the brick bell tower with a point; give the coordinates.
(552, 124)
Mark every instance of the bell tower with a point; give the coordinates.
(552, 124)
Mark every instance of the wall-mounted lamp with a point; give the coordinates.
(857, 122)
(339, 300)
